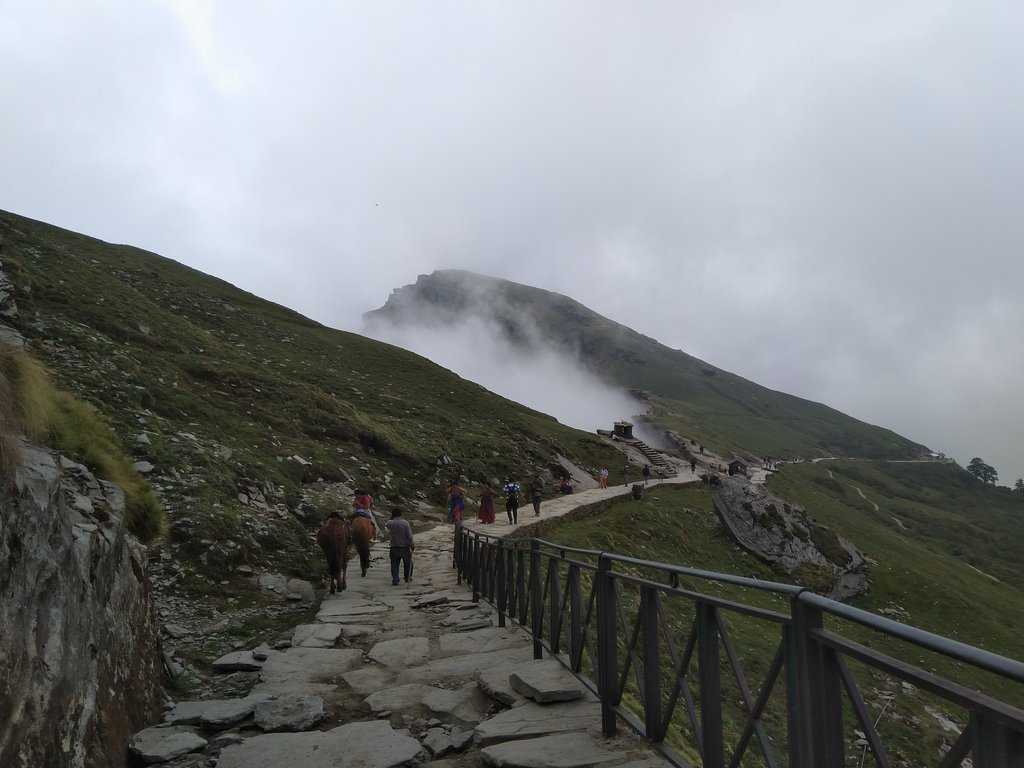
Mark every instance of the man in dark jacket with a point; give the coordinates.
(402, 546)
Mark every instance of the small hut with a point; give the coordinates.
(737, 467)
(624, 430)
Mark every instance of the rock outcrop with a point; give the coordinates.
(79, 655)
(784, 535)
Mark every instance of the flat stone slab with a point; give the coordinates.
(370, 744)
(482, 640)
(214, 713)
(307, 670)
(316, 635)
(494, 683)
(466, 667)
(440, 742)
(466, 704)
(532, 720)
(351, 631)
(237, 661)
(479, 622)
(160, 744)
(404, 652)
(353, 614)
(289, 713)
(545, 682)
(563, 750)
(368, 679)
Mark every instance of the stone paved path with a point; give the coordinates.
(391, 675)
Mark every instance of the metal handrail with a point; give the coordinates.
(523, 578)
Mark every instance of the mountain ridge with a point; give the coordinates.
(690, 395)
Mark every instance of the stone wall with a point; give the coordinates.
(80, 666)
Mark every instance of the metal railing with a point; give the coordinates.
(572, 601)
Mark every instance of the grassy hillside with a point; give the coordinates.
(250, 413)
(678, 525)
(690, 396)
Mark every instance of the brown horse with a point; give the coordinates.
(362, 536)
(334, 537)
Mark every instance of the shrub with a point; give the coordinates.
(31, 402)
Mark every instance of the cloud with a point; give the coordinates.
(821, 197)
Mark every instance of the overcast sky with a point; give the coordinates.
(823, 197)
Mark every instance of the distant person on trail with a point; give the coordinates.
(604, 477)
(511, 490)
(535, 496)
(566, 486)
(402, 546)
(647, 473)
(456, 503)
(693, 465)
(625, 475)
(702, 450)
(486, 514)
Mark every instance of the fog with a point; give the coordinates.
(822, 197)
(533, 374)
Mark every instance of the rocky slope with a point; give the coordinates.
(252, 422)
(79, 652)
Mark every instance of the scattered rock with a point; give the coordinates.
(143, 467)
(289, 713)
(440, 742)
(160, 744)
(237, 661)
(176, 631)
(300, 589)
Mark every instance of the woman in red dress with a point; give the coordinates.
(486, 505)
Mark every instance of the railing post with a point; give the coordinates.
(649, 604)
(607, 644)
(521, 594)
(536, 601)
(501, 584)
(554, 614)
(710, 686)
(457, 553)
(995, 744)
(819, 694)
(476, 569)
(575, 620)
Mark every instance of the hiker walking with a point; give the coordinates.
(512, 501)
(535, 496)
(604, 477)
(486, 514)
(625, 475)
(456, 503)
(647, 473)
(402, 546)
(693, 465)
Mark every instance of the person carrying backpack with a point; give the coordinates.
(647, 473)
(512, 501)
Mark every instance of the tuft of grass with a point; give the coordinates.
(29, 401)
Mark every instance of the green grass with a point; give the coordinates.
(677, 525)
(695, 398)
(77, 430)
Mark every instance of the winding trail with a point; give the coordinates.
(387, 675)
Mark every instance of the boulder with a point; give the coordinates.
(161, 744)
(300, 589)
(143, 467)
(289, 713)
